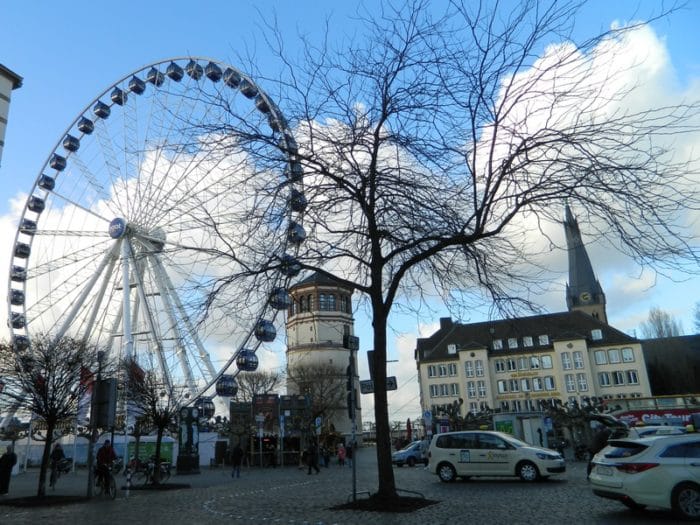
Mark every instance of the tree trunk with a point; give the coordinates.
(387, 485)
(41, 491)
(156, 466)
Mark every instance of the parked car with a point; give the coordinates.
(654, 430)
(487, 453)
(658, 471)
(410, 455)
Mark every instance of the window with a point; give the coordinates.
(601, 358)
(517, 405)
(525, 384)
(522, 363)
(444, 390)
(442, 370)
(578, 360)
(549, 383)
(582, 382)
(497, 344)
(479, 366)
(322, 302)
(473, 407)
(505, 406)
(537, 384)
(310, 301)
(604, 379)
(502, 386)
(596, 334)
(535, 362)
(452, 369)
(481, 386)
(511, 365)
(512, 342)
(627, 355)
(570, 382)
(527, 341)
(514, 385)
(434, 391)
(618, 378)
(454, 389)
(614, 356)
(331, 303)
(543, 340)
(500, 365)
(566, 361)
(546, 361)
(632, 377)
(469, 368)
(471, 390)
(432, 371)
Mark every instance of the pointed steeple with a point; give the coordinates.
(583, 291)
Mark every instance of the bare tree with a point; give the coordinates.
(660, 324)
(323, 383)
(696, 318)
(439, 151)
(258, 382)
(45, 381)
(153, 402)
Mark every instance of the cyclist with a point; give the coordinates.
(56, 456)
(105, 457)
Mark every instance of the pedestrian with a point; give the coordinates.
(313, 457)
(236, 460)
(349, 454)
(341, 455)
(326, 453)
(56, 456)
(7, 461)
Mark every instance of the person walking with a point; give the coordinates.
(341, 455)
(56, 456)
(236, 460)
(313, 457)
(349, 454)
(7, 462)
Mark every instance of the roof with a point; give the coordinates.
(557, 326)
(321, 279)
(14, 77)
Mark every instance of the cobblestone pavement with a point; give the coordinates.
(290, 496)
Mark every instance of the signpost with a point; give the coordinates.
(367, 386)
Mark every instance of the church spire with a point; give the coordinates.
(583, 291)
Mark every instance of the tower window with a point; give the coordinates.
(331, 302)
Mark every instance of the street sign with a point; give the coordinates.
(367, 386)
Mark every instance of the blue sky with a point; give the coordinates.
(69, 52)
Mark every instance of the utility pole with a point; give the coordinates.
(352, 343)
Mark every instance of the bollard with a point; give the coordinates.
(128, 480)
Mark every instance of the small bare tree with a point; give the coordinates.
(660, 324)
(323, 383)
(254, 383)
(45, 381)
(154, 402)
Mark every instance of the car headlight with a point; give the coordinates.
(544, 455)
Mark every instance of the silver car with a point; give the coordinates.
(486, 453)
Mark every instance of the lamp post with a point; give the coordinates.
(93, 424)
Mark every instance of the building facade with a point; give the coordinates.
(319, 318)
(9, 80)
(519, 365)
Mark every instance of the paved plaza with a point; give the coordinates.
(289, 496)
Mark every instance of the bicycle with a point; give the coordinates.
(106, 482)
(62, 466)
(144, 471)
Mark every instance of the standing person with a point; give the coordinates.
(7, 461)
(236, 460)
(326, 452)
(313, 457)
(105, 457)
(341, 455)
(56, 456)
(349, 453)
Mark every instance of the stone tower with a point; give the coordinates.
(583, 291)
(319, 317)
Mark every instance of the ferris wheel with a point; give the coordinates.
(179, 180)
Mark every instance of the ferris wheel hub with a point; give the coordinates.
(117, 228)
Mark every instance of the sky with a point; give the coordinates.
(70, 52)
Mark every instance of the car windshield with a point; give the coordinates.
(516, 442)
(410, 446)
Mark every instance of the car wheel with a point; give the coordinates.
(446, 472)
(527, 471)
(632, 505)
(411, 462)
(685, 500)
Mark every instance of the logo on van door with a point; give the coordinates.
(464, 456)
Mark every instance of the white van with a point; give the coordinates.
(486, 453)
